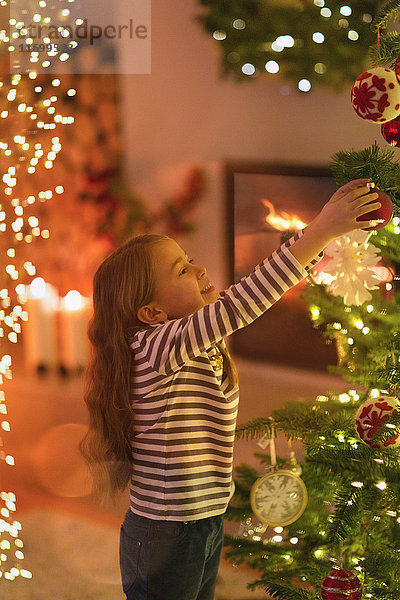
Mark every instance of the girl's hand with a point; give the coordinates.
(339, 215)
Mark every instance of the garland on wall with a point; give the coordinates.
(306, 41)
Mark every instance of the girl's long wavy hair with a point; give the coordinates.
(122, 284)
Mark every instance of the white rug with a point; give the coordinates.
(70, 559)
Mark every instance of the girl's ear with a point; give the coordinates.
(151, 315)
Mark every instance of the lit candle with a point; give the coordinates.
(74, 315)
(40, 330)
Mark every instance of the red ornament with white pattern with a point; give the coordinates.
(341, 585)
(372, 414)
(375, 95)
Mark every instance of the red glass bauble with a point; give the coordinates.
(382, 215)
(391, 131)
(341, 585)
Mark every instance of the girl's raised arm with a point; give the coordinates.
(166, 347)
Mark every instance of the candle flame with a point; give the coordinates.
(282, 220)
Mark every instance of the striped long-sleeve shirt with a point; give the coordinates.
(185, 409)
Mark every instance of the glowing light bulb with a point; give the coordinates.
(248, 69)
(26, 574)
(272, 66)
(286, 41)
(73, 300)
(219, 35)
(239, 24)
(304, 85)
(38, 288)
(320, 68)
(277, 47)
(318, 37)
(344, 398)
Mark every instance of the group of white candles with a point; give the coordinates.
(55, 334)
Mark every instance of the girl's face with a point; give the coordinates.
(181, 287)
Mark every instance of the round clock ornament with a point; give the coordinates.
(341, 585)
(278, 498)
(371, 415)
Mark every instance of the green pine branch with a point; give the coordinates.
(385, 13)
(344, 520)
(254, 428)
(389, 50)
(374, 162)
(384, 561)
(355, 460)
(282, 592)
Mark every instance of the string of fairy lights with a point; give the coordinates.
(29, 119)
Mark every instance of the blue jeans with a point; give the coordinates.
(170, 560)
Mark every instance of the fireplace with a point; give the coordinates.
(265, 202)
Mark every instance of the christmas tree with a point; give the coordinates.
(337, 536)
(306, 42)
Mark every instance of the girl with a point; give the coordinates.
(162, 394)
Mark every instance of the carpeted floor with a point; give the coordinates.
(70, 560)
(74, 559)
